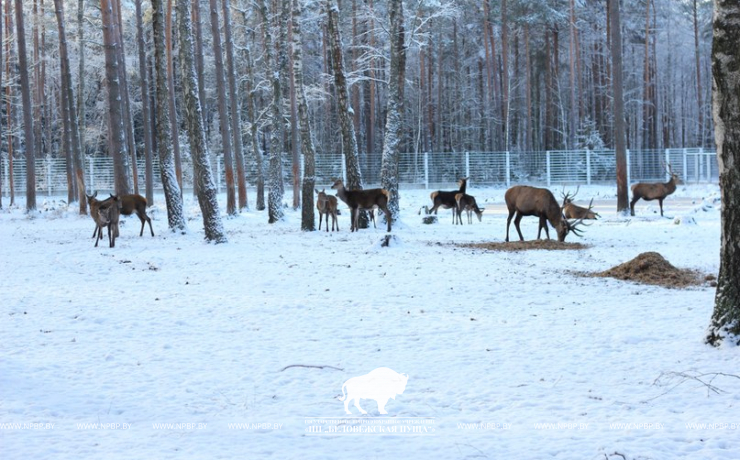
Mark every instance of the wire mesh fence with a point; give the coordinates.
(415, 170)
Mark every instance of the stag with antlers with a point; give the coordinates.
(649, 191)
(573, 211)
(524, 200)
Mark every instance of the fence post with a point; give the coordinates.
(344, 169)
(426, 170)
(707, 158)
(508, 169)
(629, 171)
(696, 167)
(547, 162)
(48, 175)
(92, 176)
(667, 161)
(467, 164)
(685, 166)
(588, 167)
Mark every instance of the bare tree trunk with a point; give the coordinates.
(81, 117)
(199, 61)
(30, 145)
(505, 73)
(572, 51)
(288, 72)
(253, 132)
(725, 325)
(307, 147)
(8, 99)
(207, 196)
(172, 192)
(394, 112)
(619, 137)
(275, 175)
(349, 141)
(146, 122)
(528, 89)
(1, 116)
(115, 110)
(235, 112)
(172, 101)
(699, 102)
(370, 94)
(70, 115)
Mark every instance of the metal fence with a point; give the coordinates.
(416, 170)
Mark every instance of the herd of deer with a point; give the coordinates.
(521, 201)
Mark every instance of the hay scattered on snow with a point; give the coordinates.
(652, 268)
(512, 246)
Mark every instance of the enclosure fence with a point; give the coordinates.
(415, 170)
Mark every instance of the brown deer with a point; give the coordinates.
(105, 213)
(573, 211)
(327, 205)
(649, 192)
(524, 200)
(446, 199)
(136, 204)
(363, 199)
(467, 203)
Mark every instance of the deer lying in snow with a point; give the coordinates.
(523, 200)
(467, 203)
(573, 211)
(327, 205)
(363, 199)
(649, 192)
(446, 199)
(105, 213)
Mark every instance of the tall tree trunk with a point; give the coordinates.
(619, 136)
(115, 110)
(8, 99)
(505, 73)
(236, 129)
(81, 116)
(70, 110)
(207, 195)
(370, 93)
(395, 108)
(272, 67)
(292, 141)
(172, 192)
(223, 113)
(349, 141)
(199, 61)
(725, 323)
(573, 119)
(253, 131)
(30, 145)
(1, 115)
(528, 90)
(172, 100)
(146, 121)
(128, 123)
(307, 147)
(699, 102)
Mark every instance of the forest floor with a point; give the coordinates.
(173, 348)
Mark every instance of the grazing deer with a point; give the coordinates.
(649, 192)
(105, 213)
(327, 205)
(573, 211)
(446, 199)
(363, 199)
(136, 204)
(467, 203)
(523, 200)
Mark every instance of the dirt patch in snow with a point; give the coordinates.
(512, 246)
(653, 268)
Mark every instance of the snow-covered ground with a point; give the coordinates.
(169, 347)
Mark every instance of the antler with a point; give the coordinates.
(567, 197)
(573, 225)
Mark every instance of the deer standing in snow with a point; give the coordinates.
(363, 199)
(649, 192)
(327, 205)
(524, 200)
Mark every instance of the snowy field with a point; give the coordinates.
(171, 348)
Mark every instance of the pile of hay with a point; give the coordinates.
(550, 245)
(652, 268)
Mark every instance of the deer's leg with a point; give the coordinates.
(149, 220)
(516, 224)
(632, 205)
(387, 217)
(660, 202)
(508, 222)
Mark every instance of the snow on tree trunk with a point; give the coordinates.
(394, 117)
(307, 147)
(115, 110)
(223, 114)
(146, 121)
(726, 111)
(275, 175)
(206, 189)
(172, 195)
(349, 141)
(252, 133)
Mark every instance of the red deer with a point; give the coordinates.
(446, 199)
(523, 200)
(649, 192)
(363, 199)
(105, 214)
(327, 205)
(136, 204)
(467, 203)
(573, 211)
